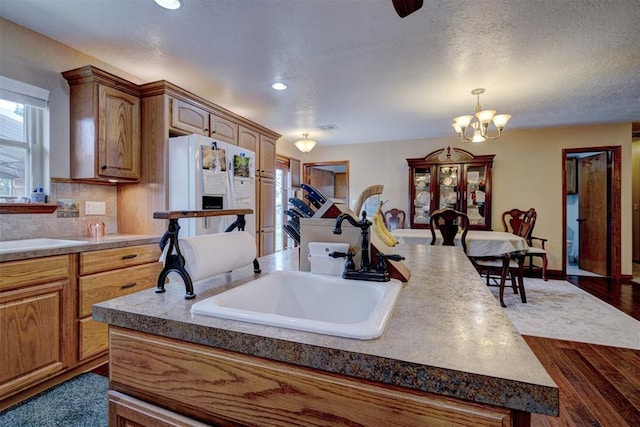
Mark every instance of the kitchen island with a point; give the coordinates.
(449, 355)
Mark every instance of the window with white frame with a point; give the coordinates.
(24, 119)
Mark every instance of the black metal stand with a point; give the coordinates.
(175, 261)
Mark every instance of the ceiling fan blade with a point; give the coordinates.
(406, 7)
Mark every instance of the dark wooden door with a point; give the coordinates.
(592, 213)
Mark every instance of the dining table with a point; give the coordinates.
(480, 244)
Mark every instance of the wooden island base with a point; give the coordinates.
(190, 384)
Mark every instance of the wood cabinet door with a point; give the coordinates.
(188, 117)
(32, 336)
(248, 139)
(118, 134)
(267, 157)
(131, 412)
(223, 129)
(476, 195)
(267, 216)
(592, 214)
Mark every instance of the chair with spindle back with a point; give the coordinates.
(521, 223)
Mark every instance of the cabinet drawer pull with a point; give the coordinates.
(130, 256)
(128, 285)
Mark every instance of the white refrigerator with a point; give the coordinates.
(208, 174)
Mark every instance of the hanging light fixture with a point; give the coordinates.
(169, 4)
(479, 123)
(305, 144)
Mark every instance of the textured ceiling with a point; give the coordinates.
(356, 64)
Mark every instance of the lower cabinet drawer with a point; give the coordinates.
(93, 337)
(100, 287)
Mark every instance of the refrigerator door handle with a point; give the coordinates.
(206, 222)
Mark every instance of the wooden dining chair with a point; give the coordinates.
(394, 218)
(493, 269)
(521, 223)
(450, 222)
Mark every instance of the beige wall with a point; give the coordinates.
(32, 58)
(527, 172)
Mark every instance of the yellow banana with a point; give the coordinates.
(382, 231)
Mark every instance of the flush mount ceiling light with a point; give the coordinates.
(279, 86)
(480, 122)
(305, 144)
(169, 4)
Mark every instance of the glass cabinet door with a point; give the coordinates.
(475, 194)
(448, 182)
(422, 200)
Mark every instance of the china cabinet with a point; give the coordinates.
(449, 178)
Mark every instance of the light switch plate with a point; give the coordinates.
(95, 208)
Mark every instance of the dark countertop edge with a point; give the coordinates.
(109, 242)
(446, 382)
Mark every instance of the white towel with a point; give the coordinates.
(210, 254)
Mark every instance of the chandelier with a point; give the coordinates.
(305, 144)
(479, 123)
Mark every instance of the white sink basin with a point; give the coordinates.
(308, 302)
(34, 244)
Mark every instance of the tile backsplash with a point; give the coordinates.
(26, 226)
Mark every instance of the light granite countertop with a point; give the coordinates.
(448, 334)
(108, 241)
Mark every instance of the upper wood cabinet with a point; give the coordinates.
(105, 126)
(188, 117)
(267, 157)
(248, 139)
(193, 119)
(450, 179)
(223, 129)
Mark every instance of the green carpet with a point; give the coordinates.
(79, 402)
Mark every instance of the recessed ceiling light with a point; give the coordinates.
(169, 4)
(279, 86)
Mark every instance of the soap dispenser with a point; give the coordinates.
(38, 195)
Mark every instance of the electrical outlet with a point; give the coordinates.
(95, 208)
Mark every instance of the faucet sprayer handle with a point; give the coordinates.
(381, 267)
(339, 254)
(394, 257)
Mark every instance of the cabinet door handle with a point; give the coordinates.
(104, 167)
(128, 285)
(129, 256)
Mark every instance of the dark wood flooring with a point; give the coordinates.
(599, 385)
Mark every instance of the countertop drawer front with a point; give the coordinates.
(34, 271)
(104, 286)
(211, 384)
(111, 259)
(93, 338)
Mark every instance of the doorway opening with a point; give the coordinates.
(287, 173)
(591, 211)
(332, 178)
